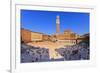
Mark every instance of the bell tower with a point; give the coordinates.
(57, 24)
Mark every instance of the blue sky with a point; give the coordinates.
(45, 21)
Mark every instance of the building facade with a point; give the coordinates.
(29, 36)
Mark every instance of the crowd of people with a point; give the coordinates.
(36, 54)
(33, 54)
(75, 52)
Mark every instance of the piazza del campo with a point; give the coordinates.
(40, 47)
